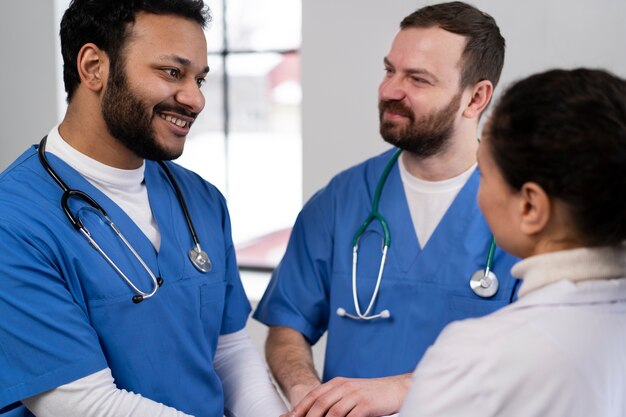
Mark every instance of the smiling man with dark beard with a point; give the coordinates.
(129, 118)
(382, 310)
(122, 297)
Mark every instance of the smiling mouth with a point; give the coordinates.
(175, 120)
(392, 117)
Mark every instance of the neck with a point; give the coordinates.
(457, 157)
(90, 136)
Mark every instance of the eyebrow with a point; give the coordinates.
(414, 71)
(181, 61)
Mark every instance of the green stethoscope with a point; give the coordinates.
(483, 282)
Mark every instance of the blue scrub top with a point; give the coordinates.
(424, 289)
(67, 314)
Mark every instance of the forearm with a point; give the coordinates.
(248, 388)
(96, 395)
(290, 358)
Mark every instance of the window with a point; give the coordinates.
(247, 141)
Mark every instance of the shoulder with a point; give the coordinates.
(487, 364)
(374, 165)
(356, 179)
(27, 163)
(191, 184)
(183, 174)
(26, 188)
(506, 344)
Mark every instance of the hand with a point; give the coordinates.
(298, 392)
(353, 397)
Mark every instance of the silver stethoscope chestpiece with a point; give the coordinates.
(484, 285)
(200, 259)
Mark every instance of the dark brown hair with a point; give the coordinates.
(105, 23)
(483, 56)
(566, 131)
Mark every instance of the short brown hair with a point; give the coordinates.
(483, 56)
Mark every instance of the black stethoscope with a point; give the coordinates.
(198, 257)
(483, 282)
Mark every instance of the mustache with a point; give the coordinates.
(163, 107)
(395, 107)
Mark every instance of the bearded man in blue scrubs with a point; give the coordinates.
(440, 74)
(111, 327)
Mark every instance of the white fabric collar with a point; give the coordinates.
(434, 187)
(575, 265)
(97, 173)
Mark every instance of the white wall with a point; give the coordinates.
(27, 75)
(344, 42)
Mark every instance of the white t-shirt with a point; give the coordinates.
(125, 187)
(429, 200)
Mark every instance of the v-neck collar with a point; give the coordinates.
(168, 215)
(446, 236)
(138, 240)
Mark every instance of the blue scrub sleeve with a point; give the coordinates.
(298, 293)
(46, 339)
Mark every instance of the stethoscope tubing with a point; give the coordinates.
(374, 215)
(183, 205)
(487, 280)
(199, 255)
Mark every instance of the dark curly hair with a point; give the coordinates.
(105, 23)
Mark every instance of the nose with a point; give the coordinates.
(190, 96)
(391, 88)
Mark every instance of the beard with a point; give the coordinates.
(129, 119)
(423, 137)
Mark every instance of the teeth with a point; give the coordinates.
(176, 121)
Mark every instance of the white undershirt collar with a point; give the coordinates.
(429, 201)
(125, 187)
(575, 265)
(432, 187)
(94, 171)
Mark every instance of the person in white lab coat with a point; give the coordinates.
(553, 170)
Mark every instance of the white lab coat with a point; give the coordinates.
(558, 351)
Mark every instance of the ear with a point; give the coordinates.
(480, 96)
(93, 66)
(535, 209)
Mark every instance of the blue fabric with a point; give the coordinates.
(423, 289)
(14, 410)
(66, 313)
